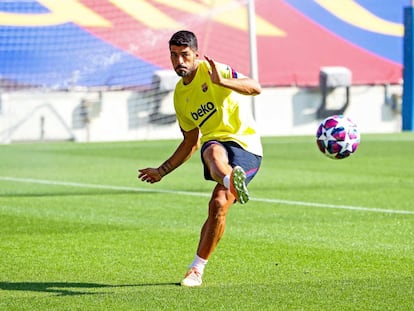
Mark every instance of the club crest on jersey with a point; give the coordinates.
(204, 87)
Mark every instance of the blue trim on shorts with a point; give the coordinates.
(237, 157)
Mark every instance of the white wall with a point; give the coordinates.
(127, 115)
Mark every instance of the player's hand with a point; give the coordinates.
(214, 75)
(150, 175)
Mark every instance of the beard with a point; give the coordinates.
(183, 71)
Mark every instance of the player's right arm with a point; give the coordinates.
(184, 151)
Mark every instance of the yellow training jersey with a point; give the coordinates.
(215, 110)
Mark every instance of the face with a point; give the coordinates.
(184, 61)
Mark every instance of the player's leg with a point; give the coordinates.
(216, 159)
(210, 235)
(215, 224)
(216, 167)
(219, 160)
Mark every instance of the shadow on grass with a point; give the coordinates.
(67, 288)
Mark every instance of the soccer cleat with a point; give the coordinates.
(238, 185)
(192, 278)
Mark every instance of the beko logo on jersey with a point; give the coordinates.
(205, 110)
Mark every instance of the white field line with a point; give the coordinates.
(189, 193)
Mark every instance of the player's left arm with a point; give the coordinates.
(242, 84)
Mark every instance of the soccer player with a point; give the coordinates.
(206, 102)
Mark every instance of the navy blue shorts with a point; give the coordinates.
(237, 156)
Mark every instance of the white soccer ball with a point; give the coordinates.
(337, 137)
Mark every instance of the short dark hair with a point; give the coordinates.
(184, 38)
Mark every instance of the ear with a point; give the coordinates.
(196, 53)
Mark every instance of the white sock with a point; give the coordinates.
(199, 263)
(226, 181)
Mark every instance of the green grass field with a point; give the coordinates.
(78, 231)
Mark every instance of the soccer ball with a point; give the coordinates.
(337, 137)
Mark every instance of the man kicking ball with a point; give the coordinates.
(206, 102)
